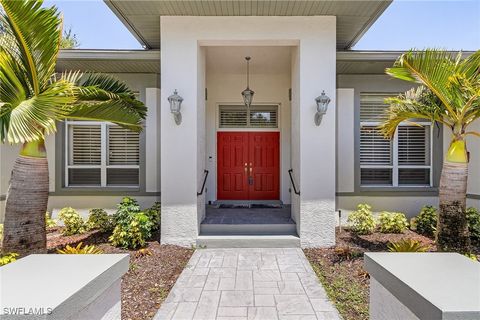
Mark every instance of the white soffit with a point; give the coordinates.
(142, 18)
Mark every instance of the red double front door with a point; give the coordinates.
(248, 166)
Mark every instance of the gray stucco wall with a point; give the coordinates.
(349, 191)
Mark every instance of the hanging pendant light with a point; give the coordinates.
(248, 93)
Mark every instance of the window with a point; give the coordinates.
(254, 117)
(402, 161)
(101, 155)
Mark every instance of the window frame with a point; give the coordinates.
(272, 106)
(395, 167)
(68, 144)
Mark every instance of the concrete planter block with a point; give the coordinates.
(423, 286)
(58, 286)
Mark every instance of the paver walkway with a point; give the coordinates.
(261, 284)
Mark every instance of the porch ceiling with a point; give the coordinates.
(142, 18)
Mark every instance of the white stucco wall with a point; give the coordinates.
(345, 140)
(181, 38)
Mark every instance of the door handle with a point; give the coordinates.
(245, 167)
(251, 168)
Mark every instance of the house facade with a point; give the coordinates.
(274, 152)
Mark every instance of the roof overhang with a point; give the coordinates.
(142, 18)
(148, 61)
(109, 61)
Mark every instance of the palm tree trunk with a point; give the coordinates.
(452, 227)
(26, 203)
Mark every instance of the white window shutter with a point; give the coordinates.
(123, 146)
(86, 145)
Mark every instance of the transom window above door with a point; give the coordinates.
(257, 116)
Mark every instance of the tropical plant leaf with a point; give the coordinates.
(37, 32)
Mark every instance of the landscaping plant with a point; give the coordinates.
(49, 222)
(361, 221)
(132, 227)
(74, 224)
(154, 214)
(392, 222)
(426, 221)
(473, 218)
(33, 99)
(8, 258)
(78, 249)
(448, 94)
(133, 232)
(100, 219)
(407, 245)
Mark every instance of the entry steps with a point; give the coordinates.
(248, 241)
(213, 229)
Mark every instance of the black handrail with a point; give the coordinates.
(204, 181)
(293, 182)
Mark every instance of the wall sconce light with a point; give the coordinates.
(175, 106)
(322, 106)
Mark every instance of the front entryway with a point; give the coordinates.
(248, 166)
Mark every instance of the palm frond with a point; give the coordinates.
(101, 97)
(417, 103)
(35, 118)
(431, 68)
(37, 34)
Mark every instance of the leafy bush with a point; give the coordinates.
(133, 232)
(362, 221)
(73, 222)
(125, 209)
(78, 249)
(100, 219)
(407, 245)
(49, 222)
(8, 258)
(426, 221)
(132, 227)
(154, 214)
(473, 219)
(392, 222)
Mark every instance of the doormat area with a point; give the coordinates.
(249, 206)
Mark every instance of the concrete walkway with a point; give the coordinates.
(261, 284)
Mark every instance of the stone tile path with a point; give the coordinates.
(247, 284)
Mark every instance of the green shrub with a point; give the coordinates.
(362, 221)
(392, 222)
(132, 232)
(87, 249)
(100, 219)
(74, 224)
(125, 209)
(473, 218)
(8, 258)
(49, 222)
(154, 214)
(426, 221)
(407, 245)
(132, 227)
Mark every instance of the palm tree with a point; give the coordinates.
(32, 99)
(449, 94)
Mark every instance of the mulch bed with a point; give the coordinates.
(56, 240)
(152, 273)
(340, 269)
(151, 276)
